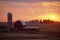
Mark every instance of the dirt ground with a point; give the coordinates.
(30, 36)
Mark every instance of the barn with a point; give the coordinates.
(21, 25)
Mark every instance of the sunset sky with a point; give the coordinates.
(30, 9)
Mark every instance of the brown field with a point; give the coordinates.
(46, 32)
(30, 36)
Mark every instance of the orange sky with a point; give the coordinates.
(30, 10)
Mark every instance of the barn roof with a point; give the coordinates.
(31, 27)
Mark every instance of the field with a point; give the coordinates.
(46, 32)
(30, 36)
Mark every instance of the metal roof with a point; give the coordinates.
(31, 27)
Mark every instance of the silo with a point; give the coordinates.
(9, 20)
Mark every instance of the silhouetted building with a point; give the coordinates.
(9, 20)
(21, 25)
(3, 27)
(41, 21)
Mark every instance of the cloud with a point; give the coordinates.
(50, 4)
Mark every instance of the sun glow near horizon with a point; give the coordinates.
(54, 17)
(49, 16)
